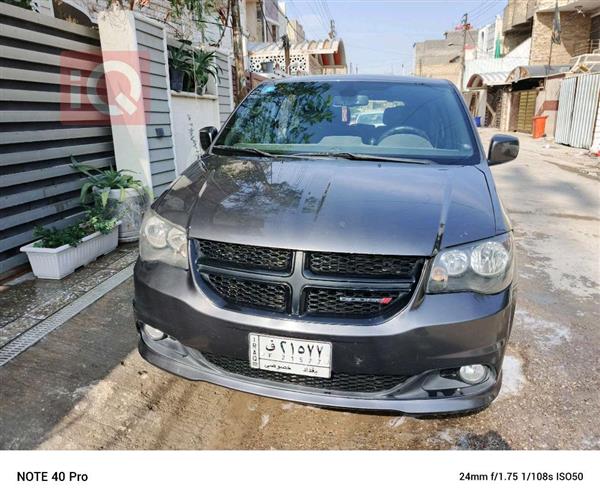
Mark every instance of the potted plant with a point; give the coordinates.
(203, 67)
(179, 64)
(125, 197)
(58, 252)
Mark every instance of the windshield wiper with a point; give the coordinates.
(361, 157)
(339, 155)
(244, 150)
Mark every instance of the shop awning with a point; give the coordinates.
(329, 46)
(535, 72)
(329, 52)
(488, 79)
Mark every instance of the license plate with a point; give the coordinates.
(290, 356)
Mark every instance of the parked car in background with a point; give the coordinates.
(347, 265)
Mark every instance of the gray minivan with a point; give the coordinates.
(314, 258)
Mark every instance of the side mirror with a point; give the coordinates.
(207, 136)
(503, 148)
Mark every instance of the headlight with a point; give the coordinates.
(163, 241)
(483, 267)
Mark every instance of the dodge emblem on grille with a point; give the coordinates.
(373, 300)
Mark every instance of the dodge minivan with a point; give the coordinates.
(310, 257)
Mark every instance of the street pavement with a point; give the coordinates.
(85, 387)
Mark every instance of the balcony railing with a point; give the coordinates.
(587, 47)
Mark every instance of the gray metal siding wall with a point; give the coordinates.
(224, 87)
(156, 101)
(584, 110)
(37, 183)
(577, 109)
(564, 115)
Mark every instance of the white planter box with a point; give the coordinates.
(56, 263)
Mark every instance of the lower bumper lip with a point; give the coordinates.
(439, 332)
(408, 397)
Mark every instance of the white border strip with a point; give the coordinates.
(42, 329)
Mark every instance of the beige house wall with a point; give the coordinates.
(547, 102)
(449, 71)
(574, 28)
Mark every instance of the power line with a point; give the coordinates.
(321, 7)
(297, 10)
(480, 8)
(484, 13)
(314, 8)
(376, 49)
(326, 5)
(287, 19)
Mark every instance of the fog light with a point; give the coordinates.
(472, 374)
(154, 333)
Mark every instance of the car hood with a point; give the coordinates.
(333, 205)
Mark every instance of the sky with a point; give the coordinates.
(379, 34)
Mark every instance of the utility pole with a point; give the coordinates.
(332, 33)
(286, 51)
(263, 20)
(238, 51)
(465, 28)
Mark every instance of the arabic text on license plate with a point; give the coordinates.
(290, 356)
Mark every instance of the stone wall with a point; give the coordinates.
(575, 28)
(514, 39)
(517, 12)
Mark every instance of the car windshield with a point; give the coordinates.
(372, 118)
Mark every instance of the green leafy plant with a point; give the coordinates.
(198, 11)
(195, 65)
(102, 181)
(180, 57)
(25, 4)
(179, 12)
(204, 66)
(97, 219)
(54, 238)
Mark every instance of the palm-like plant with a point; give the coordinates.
(179, 57)
(102, 181)
(204, 66)
(180, 63)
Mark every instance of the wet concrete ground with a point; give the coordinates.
(25, 301)
(85, 387)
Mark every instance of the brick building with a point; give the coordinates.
(580, 28)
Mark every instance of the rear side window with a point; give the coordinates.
(424, 121)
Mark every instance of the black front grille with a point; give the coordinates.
(257, 294)
(356, 383)
(244, 256)
(359, 303)
(334, 285)
(366, 266)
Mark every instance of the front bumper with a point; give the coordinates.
(434, 332)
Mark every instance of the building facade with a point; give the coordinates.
(442, 58)
(580, 29)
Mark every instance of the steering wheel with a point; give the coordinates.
(404, 130)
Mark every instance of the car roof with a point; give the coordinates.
(367, 78)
